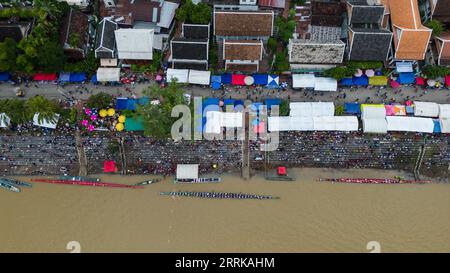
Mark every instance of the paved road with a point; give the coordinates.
(361, 94)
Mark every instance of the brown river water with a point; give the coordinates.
(311, 216)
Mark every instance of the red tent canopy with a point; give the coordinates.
(282, 171)
(237, 79)
(394, 84)
(420, 81)
(45, 77)
(109, 166)
(447, 80)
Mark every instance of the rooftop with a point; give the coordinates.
(242, 50)
(243, 23)
(316, 51)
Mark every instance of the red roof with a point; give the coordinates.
(420, 81)
(282, 171)
(394, 84)
(447, 80)
(272, 3)
(238, 79)
(45, 77)
(109, 166)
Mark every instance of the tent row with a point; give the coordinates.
(310, 81)
(268, 80)
(189, 76)
(311, 109)
(364, 81)
(324, 123)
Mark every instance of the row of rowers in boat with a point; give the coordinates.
(396, 180)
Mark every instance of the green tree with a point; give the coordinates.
(46, 108)
(196, 14)
(435, 71)
(51, 58)
(99, 101)
(339, 111)
(286, 28)
(8, 55)
(16, 110)
(339, 72)
(284, 108)
(272, 44)
(436, 26)
(157, 120)
(281, 63)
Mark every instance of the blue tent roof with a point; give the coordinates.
(4, 76)
(142, 101)
(215, 85)
(77, 77)
(228, 102)
(216, 78)
(255, 106)
(363, 80)
(406, 78)
(226, 78)
(346, 82)
(352, 108)
(272, 81)
(260, 78)
(437, 126)
(64, 77)
(378, 73)
(94, 79)
(121, 103)
(270, 102)
(238, 102)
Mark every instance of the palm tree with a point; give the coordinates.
(47, 109)
(15, 109)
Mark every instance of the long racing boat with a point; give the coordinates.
(198, 180)
(79, 178)
(8, 186)
(218, 195)
(86, 183)
(16, 182)
(375, 181)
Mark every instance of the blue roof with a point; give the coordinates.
(78, 77)
(406, 78)
(215, 85)
(346, 82)
(94, 79)
(352, 108)
(260, 78)
(121, 103)
(216, 78)
(228, 101)
(64, 77)
(4, 76)
(363, 80)
(270, 102)
(226, 78)
(437, 126)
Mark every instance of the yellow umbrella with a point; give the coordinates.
(111, 112)
(119, 127)
(122, 118)
(103, 113)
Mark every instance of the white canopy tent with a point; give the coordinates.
(410, 124)
(45, 123)
(311, 109)
(374, 125)
(426, 109)
(336, 123)
(283, 123)
(303, 81)
(108, 74)
(373, 111)
(445, 125)
(231, 119)
(325, 84)
(404, 67)
(216, 120)
(187, 171)
(181, 75)
(324, 123)
(199, 77)
(444, 110)
(4, 120)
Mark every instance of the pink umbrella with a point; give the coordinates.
(370, 73)
(94, 117)
(158, 77)
(91, 128)
(84, 122)
(87, 111)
